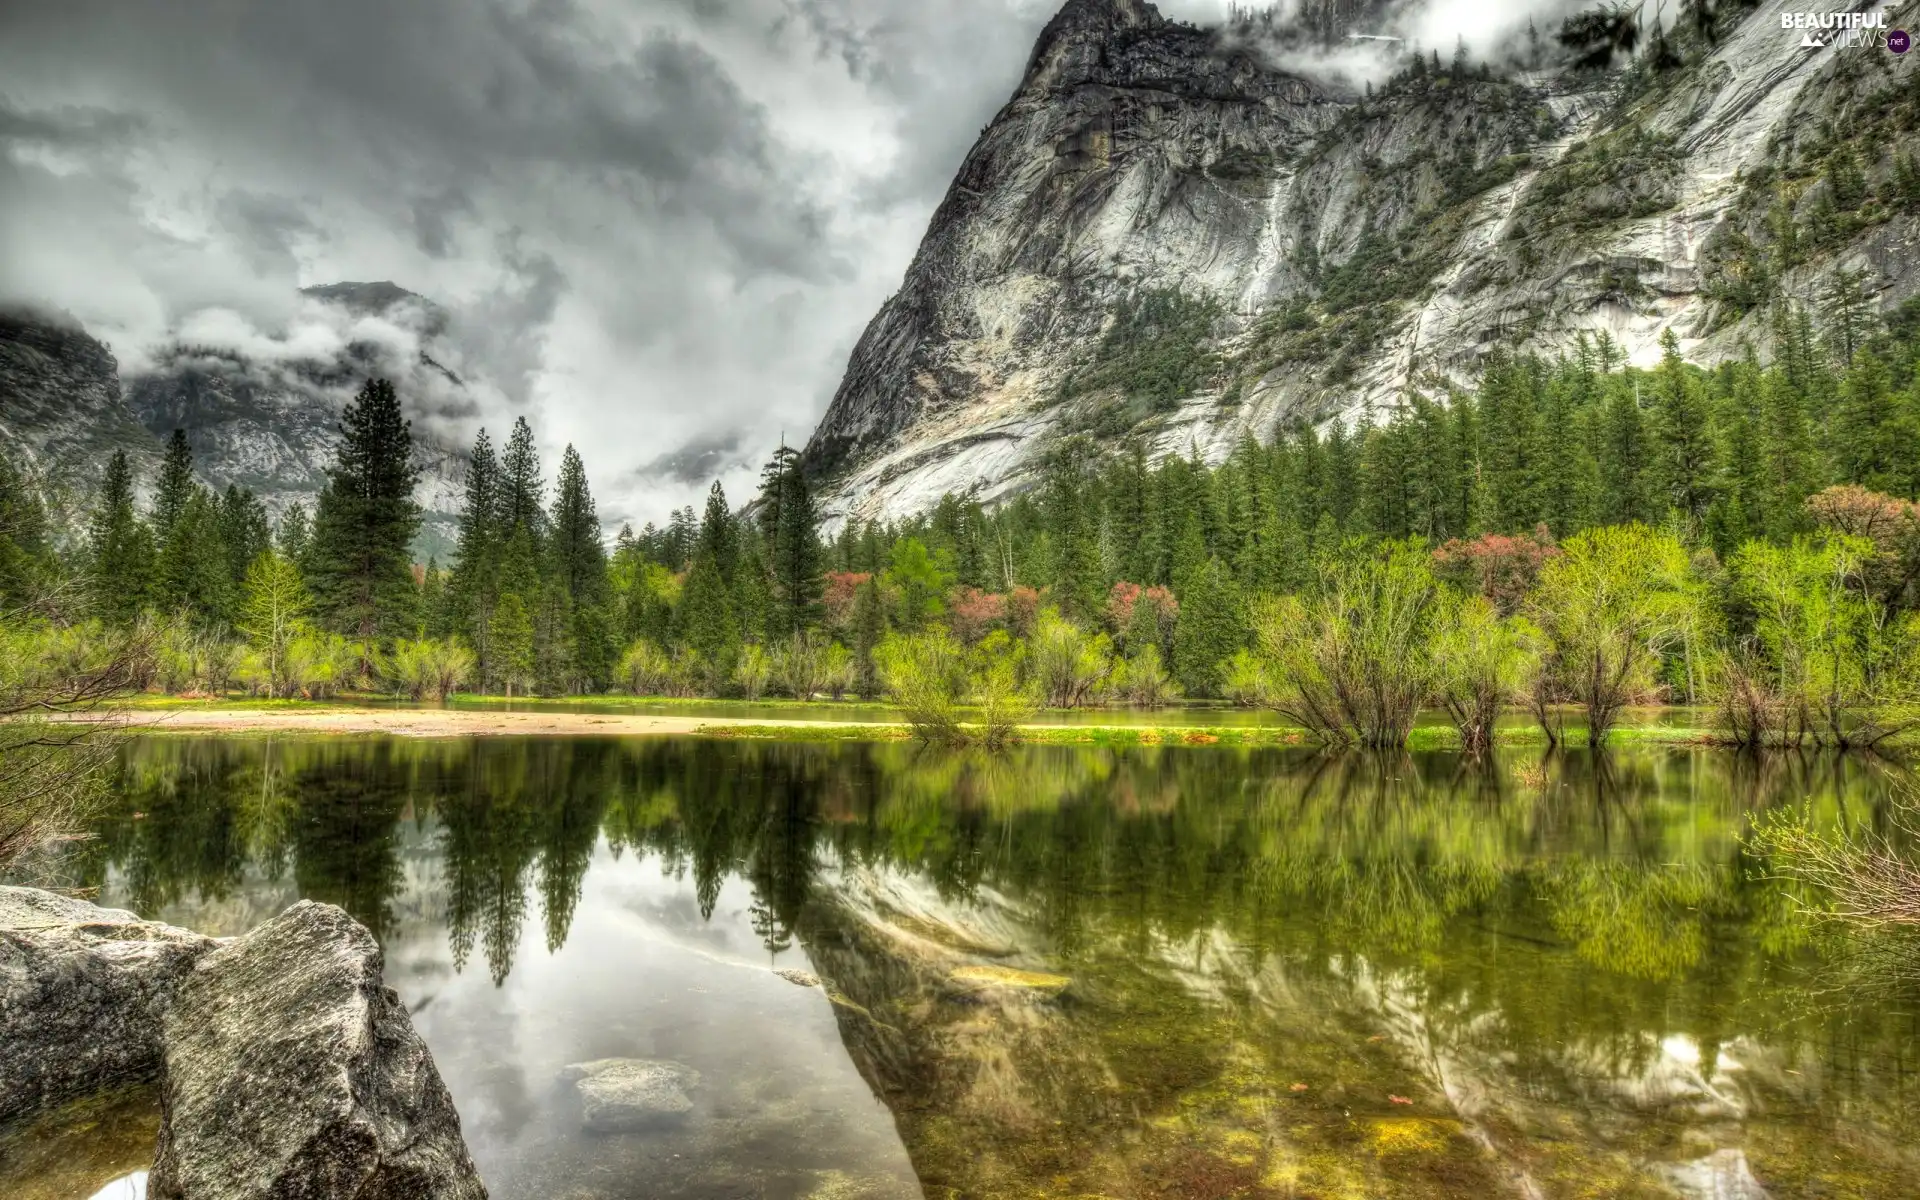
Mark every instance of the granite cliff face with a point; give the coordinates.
(266, 425)
(61, 406)
(1178, 233)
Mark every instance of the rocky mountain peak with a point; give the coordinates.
(1077, 39)
(1169, 235)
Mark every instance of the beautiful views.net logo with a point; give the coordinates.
(1821, 29)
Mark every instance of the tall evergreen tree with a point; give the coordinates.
(119, 548)
(579, 558)
(789, 524)
(473, 589)
(244, 530)
(293, 537)
(719, 541)
(521, 488)
(362, 577)
(1211, 626)
(1683, 433)
(175, 485)
(26, 555)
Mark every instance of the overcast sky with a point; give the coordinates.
(660, 225)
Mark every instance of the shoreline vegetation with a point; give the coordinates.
(163, 716)
(1573, 538)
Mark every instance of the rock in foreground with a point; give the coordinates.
(293, 1072)
(84, 993)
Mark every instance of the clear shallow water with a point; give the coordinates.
(1064, 972)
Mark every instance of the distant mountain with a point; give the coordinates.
(62, 410)
(269, 426)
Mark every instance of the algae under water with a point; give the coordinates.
(1063, 971)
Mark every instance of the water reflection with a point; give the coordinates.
(1069, 972)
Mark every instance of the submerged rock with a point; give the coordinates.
(84, 992)
(293, 1071)
(620, 1094)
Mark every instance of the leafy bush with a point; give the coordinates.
(647, 670)
(1003, 698)
(754, 668)
(1610, 604)
(1068, 665)
(429, 669)
(926, 675)
(1353, 663)
(800, 665)
(1481, 662)
(1143, 680)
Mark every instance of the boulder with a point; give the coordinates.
(293, 1072)
(84, 992)
(620, 1094)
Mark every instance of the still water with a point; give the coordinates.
(1061, 972)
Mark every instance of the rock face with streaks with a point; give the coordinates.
(293, 1071)
(62, 410)
(1188, 235)
(84, 994)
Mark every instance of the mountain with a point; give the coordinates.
(267, 424)
(1188, 235)
(62, 411)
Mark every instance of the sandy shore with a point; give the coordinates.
(431, 722)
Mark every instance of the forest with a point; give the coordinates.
(1575, 536)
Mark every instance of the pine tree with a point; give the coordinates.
(26, 555)
(1624, 453)
(580, 565)
(119, 548)
(510, 633)
(293, 537)
(869, 627)
(1682, 432)
(706, 621)
(789, 523)
(1510, 450)
(473, 589)
(718, 540)
(520, 485)
(1787, 448)
(175, 486)
(1211, 626)
(362, 577)
(1739, 510)
(192, 574)
(244, 529)
(1865, 427)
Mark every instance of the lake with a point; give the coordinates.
(1060, 971)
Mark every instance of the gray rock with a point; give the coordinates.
(632, 1093)
(84, 992)
(293, 1073)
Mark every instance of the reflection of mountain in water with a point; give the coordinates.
(1092, 973)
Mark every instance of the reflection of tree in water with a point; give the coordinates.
(347, 802)
(1632, 862)
(1545, 913)
(507, 808)
(177, 822)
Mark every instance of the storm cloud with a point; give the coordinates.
(656, 226)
